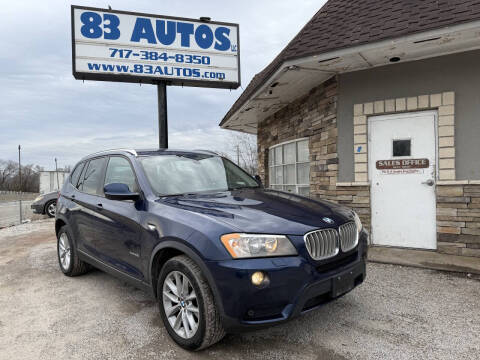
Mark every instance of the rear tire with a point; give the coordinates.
(193, 303)
(68, 259)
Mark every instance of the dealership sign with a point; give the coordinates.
(133, 47)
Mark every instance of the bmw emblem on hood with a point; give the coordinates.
(328, 220)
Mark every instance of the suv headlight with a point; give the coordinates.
(38, 198)
(254, 246)
(358, 223)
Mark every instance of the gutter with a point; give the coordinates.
(347, 51)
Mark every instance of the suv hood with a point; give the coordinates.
(263, 210)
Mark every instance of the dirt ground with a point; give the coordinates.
(398, 313)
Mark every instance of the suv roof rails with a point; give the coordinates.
(131, 151)
(207, 151)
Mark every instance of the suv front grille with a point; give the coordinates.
(348, 236)
(322, 244)
(325, 243)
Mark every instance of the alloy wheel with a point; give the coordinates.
(180, 304)
(64, 252)
(51, 209)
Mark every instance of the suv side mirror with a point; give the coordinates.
(258, 179)
(118, 191)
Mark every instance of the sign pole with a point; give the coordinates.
(162, 115)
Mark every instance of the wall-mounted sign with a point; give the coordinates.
(123, 46)
(402, 164)
(401, 171)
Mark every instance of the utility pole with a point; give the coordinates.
(20, 179)
(19, 168)
(56, 170)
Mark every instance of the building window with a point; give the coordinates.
(402, 147)
(289, 167)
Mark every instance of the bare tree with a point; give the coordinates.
(7, 172)
(10, 179)
(243, 151)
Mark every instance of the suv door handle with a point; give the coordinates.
(100, 206)
(429, 182)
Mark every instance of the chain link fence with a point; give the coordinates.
(15, 208)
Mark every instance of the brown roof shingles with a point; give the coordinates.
(345, 23)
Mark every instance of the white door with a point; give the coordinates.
(402, 172)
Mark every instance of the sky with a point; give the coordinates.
(48, 112)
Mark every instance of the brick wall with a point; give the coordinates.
(314, 116)
(458, 219)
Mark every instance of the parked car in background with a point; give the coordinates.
(218, 251)
(45, 204)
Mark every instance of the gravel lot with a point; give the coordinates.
(398, 313)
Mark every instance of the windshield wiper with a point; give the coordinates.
(179, 194)
(193, 193)
(243, 187)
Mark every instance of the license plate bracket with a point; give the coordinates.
(343, 284)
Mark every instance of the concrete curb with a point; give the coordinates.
(424, 259)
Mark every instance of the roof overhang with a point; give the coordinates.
(295, 78)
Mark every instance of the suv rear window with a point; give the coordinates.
(93, 176)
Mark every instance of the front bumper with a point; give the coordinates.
(297, 285)
(37, 208)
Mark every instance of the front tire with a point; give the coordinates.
(187, 306)
(68, 259)
(51, 208)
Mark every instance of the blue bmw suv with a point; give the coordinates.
(219, 252)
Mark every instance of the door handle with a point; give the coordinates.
(100, 206)
(429, 182)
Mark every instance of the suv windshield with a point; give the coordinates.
(193, 173)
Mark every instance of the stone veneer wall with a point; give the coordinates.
(458, 218)
(443, 103)
(356, 197)
(314, 116)
(458, 202)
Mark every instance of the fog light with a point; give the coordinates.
(257, 278)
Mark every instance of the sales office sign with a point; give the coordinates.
(403, 166)
(132, 47)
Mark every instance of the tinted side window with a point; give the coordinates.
(76, 174)
(93, 176)
(82, 175)
(236, 177)
(120, 171)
